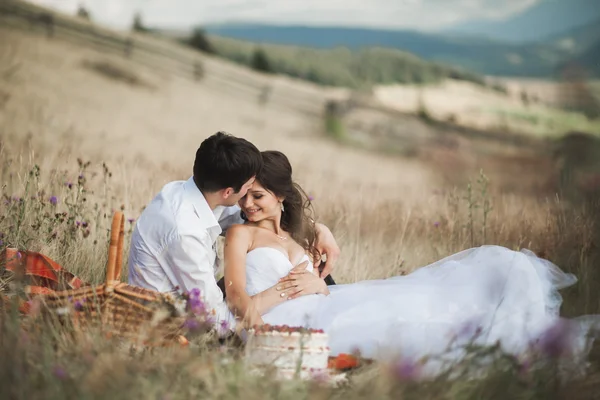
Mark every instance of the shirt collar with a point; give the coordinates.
(209, 219)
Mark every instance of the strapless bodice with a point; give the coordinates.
(265, 266)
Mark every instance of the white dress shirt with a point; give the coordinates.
(173, 245)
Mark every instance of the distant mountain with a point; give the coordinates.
(583, 43)
(547, 18)
(578, 39)
(340, 67)
(590, 60)
(481, 55)
(478, 55)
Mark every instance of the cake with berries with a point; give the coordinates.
(289, 350)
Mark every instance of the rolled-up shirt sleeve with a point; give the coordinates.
(189, 260)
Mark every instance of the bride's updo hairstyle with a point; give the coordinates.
(276, 177)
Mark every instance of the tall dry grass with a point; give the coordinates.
(46, 211)
(75, 146)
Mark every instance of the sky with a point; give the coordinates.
(426, 15)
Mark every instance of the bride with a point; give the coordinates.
(482, 295)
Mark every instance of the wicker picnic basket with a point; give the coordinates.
(118, 309)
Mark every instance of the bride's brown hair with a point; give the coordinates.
(297, 217)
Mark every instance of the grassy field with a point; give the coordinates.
(78, 141)
(478, 107)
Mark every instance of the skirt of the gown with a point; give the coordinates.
(482, 295)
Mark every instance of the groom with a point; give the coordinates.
(173, 243)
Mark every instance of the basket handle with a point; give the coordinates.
(115, 249)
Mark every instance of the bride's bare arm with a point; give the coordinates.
(250, 308)
(237, 242)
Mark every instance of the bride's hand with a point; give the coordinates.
(301, 282)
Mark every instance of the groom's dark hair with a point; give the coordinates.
(224, 161)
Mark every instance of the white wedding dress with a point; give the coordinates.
(486, 294)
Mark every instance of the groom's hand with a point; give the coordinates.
(327, 245)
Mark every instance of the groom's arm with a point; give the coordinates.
(328, 246)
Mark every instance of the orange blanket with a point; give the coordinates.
(39, 273)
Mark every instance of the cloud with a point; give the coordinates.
(402, 14)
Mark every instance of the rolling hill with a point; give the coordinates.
(342, 67)
(481, 55)
(577, 40)
(590, 60)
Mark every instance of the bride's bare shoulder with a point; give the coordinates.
(240, 232)
(238, 229)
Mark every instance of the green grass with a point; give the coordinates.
(547, 122)
(335, 127)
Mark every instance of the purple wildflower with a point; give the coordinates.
(79, 305)
(311, 198)
(192, 324)
(19, 255)
(77, 223)
(53, 200)
(131, 220)
(60, 372)
(197, 307)
(555, 340)
(436, 224)
(406, 370)
(225, 325)
(69, 185)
